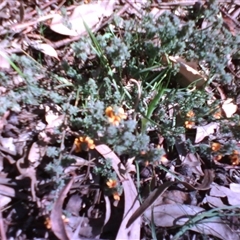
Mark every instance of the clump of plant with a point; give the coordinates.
(138, 53)
(122, 85)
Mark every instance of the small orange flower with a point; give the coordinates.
(164, 159)
(48, 224)
(190, 114)
(217, 115)
(116, 196)
(189, 124)
(65, 219)
(83, 143)
(112, 183)
(113, 117)
(216, 146)
(235, 158)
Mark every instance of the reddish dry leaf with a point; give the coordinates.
(21, 11)
(229, 24)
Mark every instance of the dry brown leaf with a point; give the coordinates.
(229, 108)
(74, 204)
(82, 226)
(213, 201)
(55, 119)
(57, 223)
(89, 13)
(4, 200)
(3, 120)
(156, 12)
(45, 48)
(52, 115)
(131, 203)
(166, 216)
(174, 196)
(130, 167)
(10, 192)
(108, 210)
(221, 191)
(169, 176)
(229, 24)
(189, 72)
(36, 152)
(2, 175)
(21, 11)
(4, 63)
(17, 80)
(55, 123)
(193, 161)
(153, 196)
(205, 131)
(235, 187)
(8, 144)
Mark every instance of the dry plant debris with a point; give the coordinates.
(103, 139)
